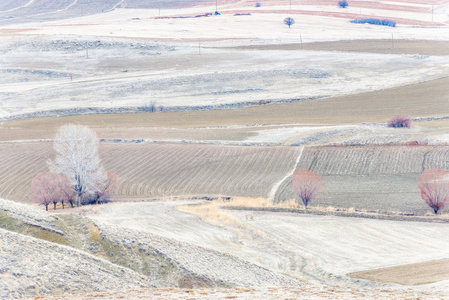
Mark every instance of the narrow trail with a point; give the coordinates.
(276, 186)
(19, 7)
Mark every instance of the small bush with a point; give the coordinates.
(343, 3)
(258, 4)
(418, 143)
(400, 122)
(149, 107)
(289, 21)
(375, 22)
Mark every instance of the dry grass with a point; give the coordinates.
(211, 213)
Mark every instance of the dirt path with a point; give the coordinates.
(276, 186)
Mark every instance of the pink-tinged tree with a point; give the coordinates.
(67, 193)
(434, 186)
(107, 190)
(44, 189)
(306, 184)
(400, 122)
(77, 158)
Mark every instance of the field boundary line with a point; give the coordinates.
(276, 186)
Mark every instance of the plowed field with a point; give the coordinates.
(379, 178)
(373, 178)
(156, 170)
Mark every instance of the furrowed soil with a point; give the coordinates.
(150, 170)
(381, 179)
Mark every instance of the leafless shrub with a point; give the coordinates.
(149, 107)
(400, 122)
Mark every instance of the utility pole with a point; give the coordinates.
(432, 14)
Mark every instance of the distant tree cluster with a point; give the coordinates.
(375, 22)
(343, 3)
(400, 122)
(77, 175)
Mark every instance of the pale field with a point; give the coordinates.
(178, 75)
(318, 250)
(288, 123)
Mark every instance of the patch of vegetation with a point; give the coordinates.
(375, 22)
(81, 233)
(7, 222)
(400, 122)
(343, 3)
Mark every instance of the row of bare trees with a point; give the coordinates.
(76, 174)
(433, 184)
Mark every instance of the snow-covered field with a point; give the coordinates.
(314, 249)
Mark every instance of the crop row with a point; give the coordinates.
(159, 170)
(372, 160)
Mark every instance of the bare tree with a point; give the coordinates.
(77, 158)
(306, 184)
(44, 189)
(400, 122)
(289, 21)
(67, 193)
(106, 191)
(434, 186)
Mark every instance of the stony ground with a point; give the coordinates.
(274, 293)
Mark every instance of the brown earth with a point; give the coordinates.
(413, 274)
(150, 170)
(384, 46)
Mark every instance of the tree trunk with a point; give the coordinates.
(46, 207)
(62, 204)
(435, 210)
(78, 200)
(54, 205)
(71, 203)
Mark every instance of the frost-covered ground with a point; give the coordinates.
(316, 249)
(48, 74)
(128, 57)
